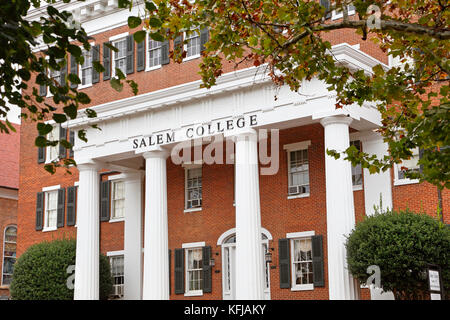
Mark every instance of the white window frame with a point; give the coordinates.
(188, 167)
(292, 237)
(113, 183)
(405, 181)
(190, 247)
(50, 136)
(193, 35)
(113, 40)
(116, 254)
(338, 15)
(49, 72)
(47, 192)
(3, 253)
(293, 147)
(147, 54)
(80, 69)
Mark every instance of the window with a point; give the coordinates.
(51, 206)
(86, 69)
(193, 188)
(154, 53)
(301, 259)
(194, 270)
(118, 200)
(9, 254)
(52, 152)
(56, 76)
(193, 45)
(356, 170)
(410, 164)
(338, 14)
(117, 272)
(120, 57)
(298, 172)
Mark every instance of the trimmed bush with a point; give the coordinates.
(41, 272)
(402, 244)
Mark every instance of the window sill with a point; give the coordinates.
(303, 195)
(153, 68)
(191, 57)
(50, 161)
(401, 182)
(192, 210)
(357, 187)
(303, 287)
(80, 87)
(116, 220)
(197, 293)
(49, 229)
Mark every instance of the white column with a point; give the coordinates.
(378, 184)
(249, 258)
(156, 242)
(340, 208)
(133, 237)
(88, 242)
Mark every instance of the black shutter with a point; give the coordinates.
(178, 43)
(105, 187)
(39, 211)
(43, 89)
(284, 263)
(41, 154)
(130, 54)
(62, 136)
(326, 4)
(106, 62)
(179, 271)
(72, 142)
(73, 69)
(207, 269)
(95, 57)
(170, 272)
(63, 72)
(140, 63)
(317, 260)
(204, 37)
(60, 208)
(71, 205)
(165, 53)
(420, 157)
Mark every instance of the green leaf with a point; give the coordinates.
(157, 36)
(139, 36)
(155, 22)
(40, 141)
(59, 117)
(134, 22)
(44, 128)
(116, 84)
(71, 111)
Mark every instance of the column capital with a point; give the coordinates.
(336, 120)
(241, 134)
(156, 153)
(89, 165)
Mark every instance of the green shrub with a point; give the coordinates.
(41, 272)
(401, 244)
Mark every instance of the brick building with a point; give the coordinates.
(182, 226)
(9, 193)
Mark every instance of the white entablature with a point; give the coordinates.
(244, 93)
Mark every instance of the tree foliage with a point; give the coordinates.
(402, 244)
(284, 36)
(40, 273)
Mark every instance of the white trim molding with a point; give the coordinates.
(303, 234)
(51, 188)
(297, 146)
(193, 245)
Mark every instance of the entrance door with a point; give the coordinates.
(229, 268)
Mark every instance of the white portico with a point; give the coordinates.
(138, 135)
